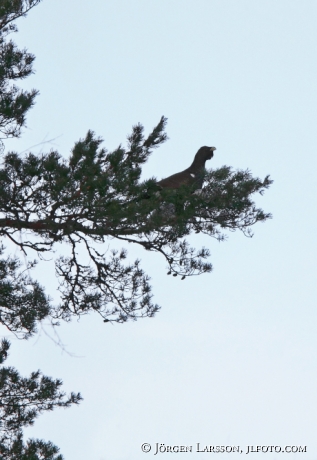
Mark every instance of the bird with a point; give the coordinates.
(193, 176)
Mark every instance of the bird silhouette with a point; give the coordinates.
(192, 176)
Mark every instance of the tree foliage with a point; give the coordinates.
(95, 195)
(15, 64)
(21, 401)
(82, 202)
(23, 302)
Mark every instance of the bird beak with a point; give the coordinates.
(213, 148)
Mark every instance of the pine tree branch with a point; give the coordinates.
(96, 195)
(21, 401)
(10, 10)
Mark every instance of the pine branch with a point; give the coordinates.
(10, 10)
(21, 401)
(95, 195)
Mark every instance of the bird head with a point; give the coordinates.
(205, 153)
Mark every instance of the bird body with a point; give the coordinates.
(192, 176)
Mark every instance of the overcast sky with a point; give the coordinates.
(231, 357)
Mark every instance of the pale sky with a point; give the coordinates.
(231, 358)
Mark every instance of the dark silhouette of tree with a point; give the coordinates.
(15, 64)
(82, 202)
(23, 302)
(95, 195)
(21, 401)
